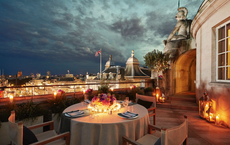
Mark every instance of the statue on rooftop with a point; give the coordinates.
(179, 33)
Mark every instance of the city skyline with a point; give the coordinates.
(56, 36)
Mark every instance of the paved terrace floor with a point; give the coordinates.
(200, 131)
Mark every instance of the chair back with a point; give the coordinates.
(146, 98)
(15, 130)
(175, 135)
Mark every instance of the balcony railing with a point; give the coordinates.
(31, 92)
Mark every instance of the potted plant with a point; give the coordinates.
(30, 114)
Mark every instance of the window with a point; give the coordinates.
(223, 52)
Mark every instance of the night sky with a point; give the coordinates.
(37, 36)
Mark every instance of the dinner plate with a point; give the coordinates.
(126, 117)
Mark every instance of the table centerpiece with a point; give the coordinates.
(104, 102)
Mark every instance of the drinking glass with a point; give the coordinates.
(126, 103)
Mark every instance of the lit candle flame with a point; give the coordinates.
(11, 98)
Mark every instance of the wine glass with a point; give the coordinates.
(125, 104)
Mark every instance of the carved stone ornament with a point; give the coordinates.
(179, 39)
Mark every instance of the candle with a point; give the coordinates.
(206, 115)
(217, 119)
(55, 94)
(130, 88)
(84, 91)
(112, 89)
(157, 97)
(205, 109)
(11, 98)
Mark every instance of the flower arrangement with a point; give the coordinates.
(60, 92)
(103, 100)
(103, 103)
(134, 87)
(160, 77)
(89, 91)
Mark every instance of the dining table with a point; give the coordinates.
(105, 128)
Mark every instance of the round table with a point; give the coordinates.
(106, 129)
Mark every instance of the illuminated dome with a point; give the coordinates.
(132, 69)
(132, 59)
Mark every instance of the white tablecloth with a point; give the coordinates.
(107, 129)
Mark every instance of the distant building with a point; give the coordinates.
(48, 73)
(38, 75)
(69, 75)
(133, 71)
(19, 73)
(116, 74)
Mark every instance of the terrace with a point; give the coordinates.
(169, 113)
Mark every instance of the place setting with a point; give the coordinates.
(128, 115)
(76, 113)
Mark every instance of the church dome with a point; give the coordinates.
(132, 60)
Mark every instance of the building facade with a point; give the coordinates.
(211, 29)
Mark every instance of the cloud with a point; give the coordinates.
(160, 23)
(70, 32)
(129, 28)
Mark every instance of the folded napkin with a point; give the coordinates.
(74, 113)
(128, 114)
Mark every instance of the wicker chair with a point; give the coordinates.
(49, 137)
(173, 136)
(152, 109)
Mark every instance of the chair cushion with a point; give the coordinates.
(148, 139)
(158, 142)
(146, 104)
(28, 136)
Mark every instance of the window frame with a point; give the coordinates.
(224, 52)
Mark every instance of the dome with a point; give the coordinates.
(132, 69)
(109, 62)
(132, 59)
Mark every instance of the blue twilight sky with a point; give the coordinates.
(37, 36)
